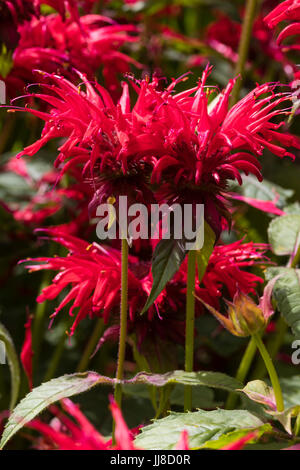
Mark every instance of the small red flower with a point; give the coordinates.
(71, 430)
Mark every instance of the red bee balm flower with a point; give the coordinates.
(93, 272)
(94, 275)
(177, 139)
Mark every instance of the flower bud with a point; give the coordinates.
(245, 318)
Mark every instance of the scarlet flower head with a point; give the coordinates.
(93, 272)
(286, 11)
(176, 140)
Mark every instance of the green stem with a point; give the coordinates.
(273, 346)
(190, 326)
(242, 372)
(271, 370)
(244, 47)
(91, 345)
(123, 322)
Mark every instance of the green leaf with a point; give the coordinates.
(202, 426)
(204, 254)
(167, 258)
(260, 392)
(208, 379)
(68, 385)
(13, 362)
(283, 232)
(14, 188)
(203, 397)
(286, 292)
(285, 417)
(46, 394)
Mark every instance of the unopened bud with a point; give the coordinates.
(245, 318)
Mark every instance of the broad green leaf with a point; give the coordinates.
(286, 292)
(204, 254)
(167, 258)
(68, 385)
(13, 362)
(46, 394)
(202, 426)
(283, 232)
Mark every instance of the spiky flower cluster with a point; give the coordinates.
(181, 145)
